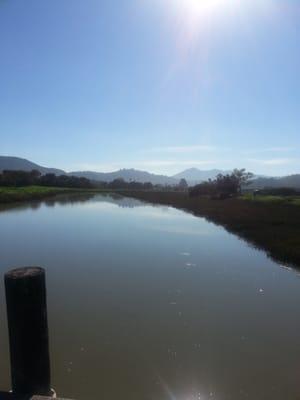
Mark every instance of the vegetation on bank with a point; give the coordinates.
(288, 200)
(223, 186)
(273, 226)
(14, 194)
(35, 178)
(270, 218)
(27, 193)
(12, 178)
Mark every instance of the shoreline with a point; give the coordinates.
(11, 195)
(271, 227)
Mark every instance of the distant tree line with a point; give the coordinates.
(34, 177)
(223, 186)
(121, 184)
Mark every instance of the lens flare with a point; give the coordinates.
(201, 8)
(196, 16)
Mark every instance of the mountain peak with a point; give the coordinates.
(197, 175)
(193, 169)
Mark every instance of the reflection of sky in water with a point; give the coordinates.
(183, 231)
(170, 219)
(149, 302)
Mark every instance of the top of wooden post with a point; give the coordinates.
(25, 272)
(46, 398)
(11, 396)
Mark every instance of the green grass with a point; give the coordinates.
(10, 195)
(295, 200)
(16, 194)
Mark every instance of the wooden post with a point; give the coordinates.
(28, 331)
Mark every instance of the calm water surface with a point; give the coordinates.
(149, 302)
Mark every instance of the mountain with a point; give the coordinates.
(21, 164)
(128, 175)
(196, 175)
(192, 175)
(290, 181)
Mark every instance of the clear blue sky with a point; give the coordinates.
(159, 85)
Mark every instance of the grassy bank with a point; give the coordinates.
(288, 200)
(16, 194)
(273, 226)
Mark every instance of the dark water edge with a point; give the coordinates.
(273, 228)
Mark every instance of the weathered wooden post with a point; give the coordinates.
(28, 331)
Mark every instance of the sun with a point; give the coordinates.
(197, 9)
(202, 7)
(194, 18)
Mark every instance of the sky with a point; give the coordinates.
(157, 85)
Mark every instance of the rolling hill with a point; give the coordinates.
(196, 175)
(290, 181)
(21, 164)
(128, 175)
(192, 175)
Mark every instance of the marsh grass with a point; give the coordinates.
(11, 195)
(26, 193)
(295, 200)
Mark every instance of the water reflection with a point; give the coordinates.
(63, 199)
(153, 303)
(72, 199)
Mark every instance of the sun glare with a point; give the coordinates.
(198, 9)
(202, 7)
(195, 18)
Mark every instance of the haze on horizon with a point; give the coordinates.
(154, 85)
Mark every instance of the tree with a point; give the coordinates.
(19, 178)
(242, 177)
(183, 184)
(224, 185)
(118, 183)
(148, 186)
(34, 177)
